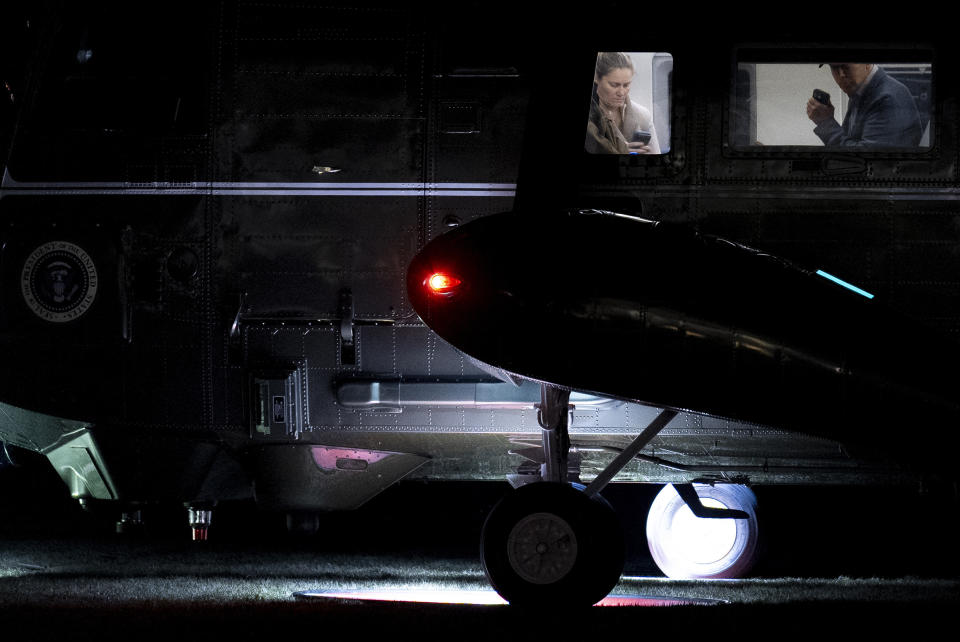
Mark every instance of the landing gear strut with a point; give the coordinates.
(549, 543)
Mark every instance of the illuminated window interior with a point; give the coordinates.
(630, 104)
(872, 106)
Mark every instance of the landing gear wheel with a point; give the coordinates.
(688, 547)
(549, 544)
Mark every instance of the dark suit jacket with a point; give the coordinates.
(883, 115)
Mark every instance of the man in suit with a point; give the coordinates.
(882, 113)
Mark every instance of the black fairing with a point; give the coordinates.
(662, 315)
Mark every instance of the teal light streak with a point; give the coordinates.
(845, 284)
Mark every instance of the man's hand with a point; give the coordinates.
(818, 112)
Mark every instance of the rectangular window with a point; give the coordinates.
(630, 104)
(829, 102)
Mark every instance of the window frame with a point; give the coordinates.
(799, 54)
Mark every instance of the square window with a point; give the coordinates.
(630, 104)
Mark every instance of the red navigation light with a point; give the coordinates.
(442, 283)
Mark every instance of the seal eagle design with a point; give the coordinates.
(59, 281)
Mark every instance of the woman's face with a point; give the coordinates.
(614, 88)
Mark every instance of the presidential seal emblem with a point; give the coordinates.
(59, 281)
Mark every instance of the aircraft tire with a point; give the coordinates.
(688, 547)
(548, 544)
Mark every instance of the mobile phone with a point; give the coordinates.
(640, 136)
(821, 96)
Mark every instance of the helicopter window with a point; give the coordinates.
(630, 104)
(838, 106)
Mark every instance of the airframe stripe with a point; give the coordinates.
(220, 188)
